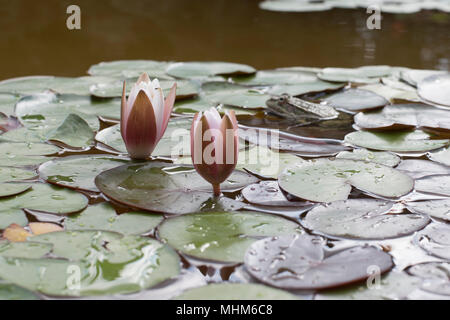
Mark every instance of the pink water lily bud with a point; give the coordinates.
(145, 116)
(214, 146)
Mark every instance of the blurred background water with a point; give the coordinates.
(35, 39)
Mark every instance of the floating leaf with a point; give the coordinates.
(38, 228)
(235, 291)
(278, 77)
(16, 233)
(362, 219)
(14, 174)
(10, 291)
(435, 239)
(160, 187)
(12, 189)
(415, 76)
(306, 87)
(356, 100)
(421, 168)
(206, 69)
(78, 172)
(230, 94)
(294, 6)
(299, 262)
(31, 250)
(434, 275)
(392, 94)
(327, 180)
(439, 209)
(405, 116)
(368, 74)
(222, 236)
(7, 103)
(441, 156)
(384, 158)
(74, 132)
(435, 89)
(434, 184)
(104, 217)
(130, 68)
(25, 154)
(175, 142)
(401, 141)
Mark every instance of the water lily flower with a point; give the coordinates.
(214, 146)
(145, 116)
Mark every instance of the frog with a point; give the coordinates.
(300, 110)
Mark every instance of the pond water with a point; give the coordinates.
(223, 30)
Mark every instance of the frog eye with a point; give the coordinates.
(282, 99)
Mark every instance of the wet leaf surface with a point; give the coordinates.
(300, 262)
(422, 168)
(439, 209)
(384, 158)
(441, 156)
(206, 69)
(435, 276)
(129, 68)
(356, 100)
(234, 95)
(435, 89)
(434, 184)
(25, 154)
(268, 193)
(435, 239)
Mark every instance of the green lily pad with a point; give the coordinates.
(435, 89)
(356, 100)
(192, 106)
(8, 174)
(235, 95)
(439, 209)
(380, 157)
(31, 250)
(401, 141)
(40, 197)
(104, 217)
(305, 87)
(434, 184)
(10, 291)
(235, 291)
(405, 116)
(164, 188)
(327, 180)
(7, 103)
(441, 156)
(392, 94)
(362, 219)
(422, 168)
(25, 154)
(74, 132)
(78, 172)
(130, 68)
(206, 69)
(368, 74)
(11, 189)
(222, 236)
(435, 240)
(278, 77)
(175, 142)
(185, 89)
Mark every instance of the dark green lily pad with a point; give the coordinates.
(10, 291)
(31, 250)
(299, 262)
(401, 141)
(207, 69)
(235, 95)
(422, 168)
(235, 291)
(356, 100)
(380, 157)
(362, 219)
(435, 239)
(74, 132)
(104, 217)
(25, 154)
(441, 156)
(222, 236)
(439, 209)
(130, 68)
(405, 116)
(435, 89)
(7, 103)
(434, 184)
(164, 188)
(368, 74)
(11, 189)
(434, 275)
(78, 172)
(327, 180)
(175, 142)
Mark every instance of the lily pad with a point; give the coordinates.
(222, 236)
(380, 157)
(8, 174)
(175, 142)
(435, 239)
(74, 132)
(7, 103)
(10, 291)
(192, 106)
(31, 250)
(278, 77)
(327, 180)
(435, 89)
(434, 275)
(104, 217)
(392, 94)
(438, 184)
(441, 156)
(163, 188)
(299, 262)
(368, 74)
(422, 168)
(439, 209)
(295, 6)
(399, 141)
(235, 291)
(305, 87)
(206, 69)
(129, 68)
(405, 116)
(356, 100)
(362, 219)
(11, 189)
(230, 94)
(415, 76)
(25, 154)
(78, 172)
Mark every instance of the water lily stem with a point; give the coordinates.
(216, 188)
